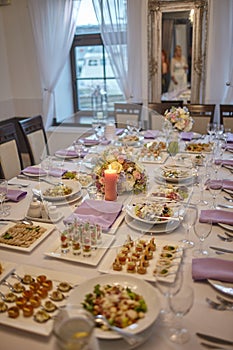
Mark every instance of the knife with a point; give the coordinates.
(225, 206)
(214, 339)
(224, 250)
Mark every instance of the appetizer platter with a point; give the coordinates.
(130, 140)
(198, 147)
(84, 179)
(142, 257)
(93, 259)
(23, 237)
(36, 299)
(170, 192)
(138, 287)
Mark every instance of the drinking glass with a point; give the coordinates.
(188, 214)
(79, 148)
(46, 164)
(180, 304)
(202, 230)
(3, 194)
(215, 187)
(202, 182)
(211, 129)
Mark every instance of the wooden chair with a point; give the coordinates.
(127, 111)
(10, 156)
(35, 138)
(157, 110)
(202, 115)
(226, 116)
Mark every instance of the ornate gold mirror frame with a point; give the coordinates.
(199, 43)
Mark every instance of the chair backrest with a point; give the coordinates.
(10, 157)
(127, 111)
(161, 107)
(226, 116)
(202, 115)
(35, 138)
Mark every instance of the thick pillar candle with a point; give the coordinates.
(110, 180)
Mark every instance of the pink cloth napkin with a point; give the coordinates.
(216, 216)
(69, 153)
(57, 172)
(187, 136)
(34, 170)
(230, 138)
(15, 195)
(227, 162)
(229, 147)
(103, 212)
(151, 134)
(90, 142)
(213, 268)
(227, 184)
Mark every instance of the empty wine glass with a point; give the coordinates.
(202, 231)
(79, 148)
(180, 304)
(215, 187)
(211, 129)
(3, 194)
(202, 183)
(46, 164)
(188, 213)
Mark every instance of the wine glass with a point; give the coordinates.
(180, 304)
(188, 214)
(46, 165)
(211, 129)
(215, 186)
(79, 148)
(202, 182)
(202, 230)
(3, 194)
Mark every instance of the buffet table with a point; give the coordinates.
(201, 317)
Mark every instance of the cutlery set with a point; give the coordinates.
(212, 339)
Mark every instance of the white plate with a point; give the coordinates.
(224, 287)
(7, 268)
(181, 179)
(106, 264)
(143, 227)
(74, 185)
(48, 221)
(69, 200)
(49, 228)
(93, 260)
(158, 192)
(130, 210)
(27, 323)
(226, 226)
(138, 286)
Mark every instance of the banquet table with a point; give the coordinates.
(201, 318)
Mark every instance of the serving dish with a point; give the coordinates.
(130, 140)
(28, 324)
(137, 285)
(93, 260)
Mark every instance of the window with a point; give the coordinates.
(95, 87)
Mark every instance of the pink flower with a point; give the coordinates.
(136, 175)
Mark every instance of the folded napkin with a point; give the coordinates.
(230, 138)
(57, 172)
(34, 170)
(227, 162)
(229, 147)
(226, 184)
(186, 136)
(70, 153)
(103, 212)
(90, 142)
(15, 195)
(105, 142)
(151, 134)
(119, 131)
(212, 268)
(216, 216)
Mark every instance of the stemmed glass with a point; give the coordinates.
(79, 148)
(188, 214)
(46, 165)
(180, 304)
(215, 186)
(202, 182)
(211, 129)
(202, 231)
(3, 194)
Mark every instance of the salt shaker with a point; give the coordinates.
(34, 210)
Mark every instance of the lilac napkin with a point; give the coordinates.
(34, 170)
(105, 142)
(230, 138)
(69, 153)
(228, 162)
(186, 136)
(151, 134)
(15, 195)
(57, 172)
(213, 268)
(229, 147)
(103, 212)
(216, 216)
(90, 142)
(226, 184)
(119, 131)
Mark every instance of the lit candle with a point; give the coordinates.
(110, 180)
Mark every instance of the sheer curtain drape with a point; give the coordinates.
(121, 35)
(53, 23)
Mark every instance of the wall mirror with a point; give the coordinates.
(172, 23)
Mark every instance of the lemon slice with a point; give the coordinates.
(80, 335)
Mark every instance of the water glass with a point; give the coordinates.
(188, 214)
(202, 231)
(215, 186)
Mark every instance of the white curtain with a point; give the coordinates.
(220, 53)
(120, 25)
(53, 23)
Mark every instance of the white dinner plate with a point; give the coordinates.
(48, 230)
(75, 190)
(150, 228)
(226, 227)
(137, 285)
(93, 260)
(224, 287)
(27, 323)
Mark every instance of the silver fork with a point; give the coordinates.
(218, 306)
(225, 239)
(224, 301)
(228, 199)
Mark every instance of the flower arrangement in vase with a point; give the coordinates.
(179, 118)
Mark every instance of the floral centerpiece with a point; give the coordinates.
(179, 118)
(133, 173)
